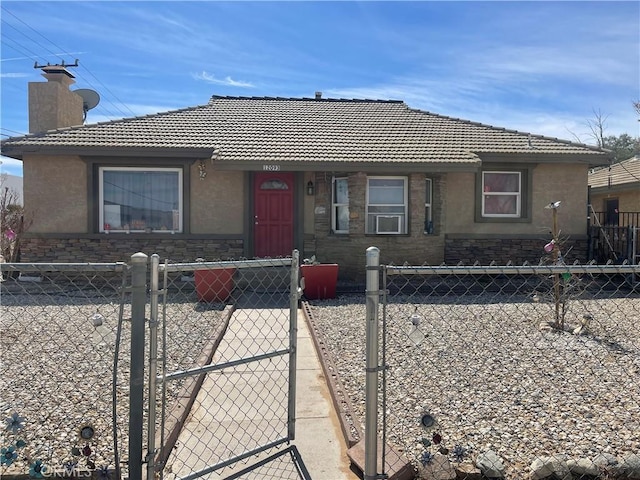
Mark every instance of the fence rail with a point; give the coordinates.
(622, 219)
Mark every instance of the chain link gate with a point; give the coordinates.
(504, 371)
(222, 369)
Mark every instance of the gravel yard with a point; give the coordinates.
(492, 379)
(479, 364)
(57, 367)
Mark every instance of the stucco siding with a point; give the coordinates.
(567, 183)
(55, 193)
(628, 201)
(217, 202)
(460, 201)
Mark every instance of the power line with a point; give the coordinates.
(66, 53)
(9, 130)
(627, 170)
(56, 55)
(6, 38)
(28, 37)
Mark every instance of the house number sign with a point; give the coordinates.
(271, 168)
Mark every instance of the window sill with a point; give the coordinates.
(502, 220)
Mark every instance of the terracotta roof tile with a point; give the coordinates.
(295, 129)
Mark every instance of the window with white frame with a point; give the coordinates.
(501, 194)
(387, 205)
(140, 199)
(428, 204)
(340, 205)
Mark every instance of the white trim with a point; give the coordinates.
(179, 211)
(392, 209)
(517, 195)
(335, 205)
(428, 203)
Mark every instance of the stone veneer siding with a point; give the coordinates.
(514, 250)
(119, 248)
(349, 250)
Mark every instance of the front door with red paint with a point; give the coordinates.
(273, 214)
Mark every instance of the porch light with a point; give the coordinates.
(310, 188)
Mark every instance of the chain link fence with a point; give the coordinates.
(506, 372)
(512, 370)
(64, 370)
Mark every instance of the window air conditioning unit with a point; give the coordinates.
(388, 224)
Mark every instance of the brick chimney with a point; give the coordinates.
(51, 104)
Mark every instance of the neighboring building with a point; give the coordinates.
(258, 177)
(615, 193)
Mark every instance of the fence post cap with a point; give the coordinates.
(139, 257)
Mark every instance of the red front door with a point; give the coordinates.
(273, 214)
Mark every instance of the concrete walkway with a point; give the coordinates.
(213, 429)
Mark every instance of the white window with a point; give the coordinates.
(387, 205)
(340, 205)
(428, 204)
(501, 194)
(140, 199)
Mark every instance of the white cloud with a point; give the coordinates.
(227, 81)
(470, 101)
(10, 166)
(13, 75)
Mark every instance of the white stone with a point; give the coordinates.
(490, 464)
(555, 465)
(583, 466)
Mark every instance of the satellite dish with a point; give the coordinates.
(90, 99)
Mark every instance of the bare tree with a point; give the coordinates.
(597, 127)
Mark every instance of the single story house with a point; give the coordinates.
(245, 177)
(615, 193)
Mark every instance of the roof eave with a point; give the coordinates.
(349, 166)
(110, 151)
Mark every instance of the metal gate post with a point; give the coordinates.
(153, 366)
(371, 385)
(136, 382)
(295, 294)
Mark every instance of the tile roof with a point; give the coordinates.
(263, 129)
(625, 173)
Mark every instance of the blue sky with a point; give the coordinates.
(539, 67)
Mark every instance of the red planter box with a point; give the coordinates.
(320, 280)
(214, 285)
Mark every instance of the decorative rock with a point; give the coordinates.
(439, 468)
(554, 466)
(629, 466)
(467, 471)
(519, 409)
(605, 461)
(583, 466)
(490, 464)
